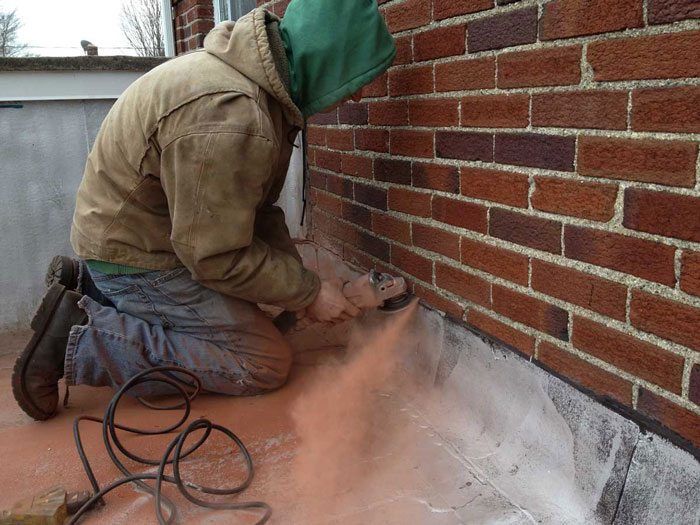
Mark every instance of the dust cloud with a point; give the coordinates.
(340, 416)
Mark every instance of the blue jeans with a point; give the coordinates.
(167, 318)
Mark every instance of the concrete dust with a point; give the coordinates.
(340, 415)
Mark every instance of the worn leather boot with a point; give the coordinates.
(39, 367)
(63, 270)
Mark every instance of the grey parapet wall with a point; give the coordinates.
(50, 112)
(533, 448)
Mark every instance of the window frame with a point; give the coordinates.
(234, 9)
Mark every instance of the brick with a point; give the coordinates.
(356, 166)
(388, 113)
(411, 143)
(436, 177)
(372, 140)
(532, 312)
(669, 319)
(408, 15)
(539, 151)
(356, 257)
(343, 231)
(340, 186)
(379, 87)
(441, 42)
(404, 50)
(504, 30)
(328, 202)
(436, 240)
(321, 119)
(340, 139)
(494, 260)
(585, 374)
(201, 26)
(641, 359)
(433, 112)
(583, 109)
(461, 75)
(666, 109)
(434, 300)
(448, 8)
(508, 335)
(675, 55)
(694, 393)
(667, 11)
(463, 284)
(410, 202)
(680, 420)
(459, 213)
(355, 113)
(646, 259)
(569, 18)
(558, 66)
(329, 243)
(496, 186)
(583, 289)
(411, 81)
(690, 273)
(671, 163)
(317, 179)
(412, 263)
(667, 214)
(329, 160)
(371, 196)
(533, 232)
(316, 136)
(464, 145)
(388, 226)
(496, 111)
(373, 245)
(591, 201)
(319, 218)
(392, 170)
(357, 215)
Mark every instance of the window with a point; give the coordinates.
(231, 9)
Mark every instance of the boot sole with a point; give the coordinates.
(62, 270)
(39, 324)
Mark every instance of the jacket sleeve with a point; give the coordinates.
(271, 227)
(215, 182)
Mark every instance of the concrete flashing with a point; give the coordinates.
(80, 63)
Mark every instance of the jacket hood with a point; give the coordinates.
(334, 47)
(244, 45)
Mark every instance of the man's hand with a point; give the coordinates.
(330, 305)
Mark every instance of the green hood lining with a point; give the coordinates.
(349, 88)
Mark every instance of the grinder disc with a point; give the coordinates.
(398, 303)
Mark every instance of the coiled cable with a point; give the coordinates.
(173, 454)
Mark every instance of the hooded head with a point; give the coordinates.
(334, 47)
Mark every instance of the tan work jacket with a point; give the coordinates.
(187, 166)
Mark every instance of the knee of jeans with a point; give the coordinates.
(271, 371)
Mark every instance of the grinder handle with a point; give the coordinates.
(362, 293)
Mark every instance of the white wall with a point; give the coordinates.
(44, 147)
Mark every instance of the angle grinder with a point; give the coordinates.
(372, 290)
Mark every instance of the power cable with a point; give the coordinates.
(166, 375)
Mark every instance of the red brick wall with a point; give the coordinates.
(193, 20)
(532, 167)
